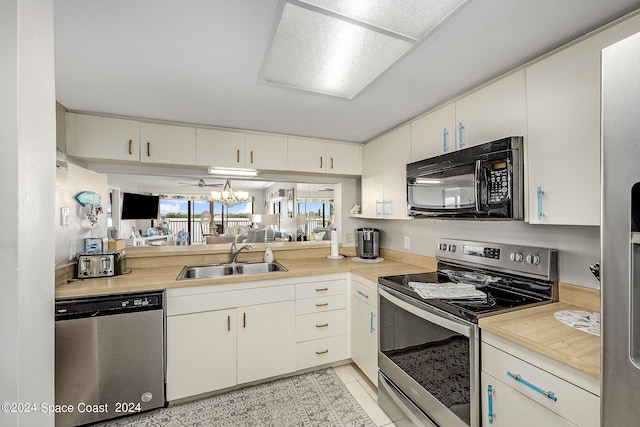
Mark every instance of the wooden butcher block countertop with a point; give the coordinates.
(537, 329)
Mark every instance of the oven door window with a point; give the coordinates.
(437, 358)
(449, 190)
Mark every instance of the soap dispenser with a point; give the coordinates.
(268, 254)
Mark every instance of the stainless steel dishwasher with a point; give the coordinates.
(110, 358)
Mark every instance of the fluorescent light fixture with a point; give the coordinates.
(428, 181)
(340, 47)
(232, 171)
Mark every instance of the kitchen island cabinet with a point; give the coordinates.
(563, 114)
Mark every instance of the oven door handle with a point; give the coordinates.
(402, 301)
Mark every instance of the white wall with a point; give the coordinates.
(70, 238)
(27, 173)
(577, 246)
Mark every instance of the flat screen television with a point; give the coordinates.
(139, 206)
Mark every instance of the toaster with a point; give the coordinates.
(99, 264)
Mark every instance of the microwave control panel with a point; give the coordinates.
(499, 182)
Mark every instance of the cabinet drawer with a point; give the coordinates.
(320, 304)
(573, 403)
(365, 293)
(320, 325)
(321, 351)
(320, 289)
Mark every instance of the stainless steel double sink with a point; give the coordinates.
(229, 269)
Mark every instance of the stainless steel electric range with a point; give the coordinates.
(428, 342)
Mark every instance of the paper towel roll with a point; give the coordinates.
(334, 243)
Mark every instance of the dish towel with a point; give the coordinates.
(447, 290)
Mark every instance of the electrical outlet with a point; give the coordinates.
(73, 251)
(349, 238)
(407, 242)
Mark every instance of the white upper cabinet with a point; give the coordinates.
(307, 155)
(493, 112)
(267, 152)
(563, 106)
(496, 111)
(321, 156)
(384, 188)
(103, 137)
(219, 148)
(167, 144)
(434, 133)
(344, 159)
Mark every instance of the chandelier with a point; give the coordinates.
(228, 197)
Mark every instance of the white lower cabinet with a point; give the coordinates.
(364, 334)
(265, 341)
(223, 335)
(198, 342)
(321, 325)
(215, 339)
(523, 388)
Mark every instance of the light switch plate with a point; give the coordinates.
(64, 216)
(407, 242)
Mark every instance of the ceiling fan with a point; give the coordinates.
(201, 183)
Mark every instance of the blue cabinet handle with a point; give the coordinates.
(540, 193)
(491, 415)
(548, 394)
(444, 140)
(371, 317)
(362, 294)
(460, 127)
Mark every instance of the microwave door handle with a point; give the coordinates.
(476, 184)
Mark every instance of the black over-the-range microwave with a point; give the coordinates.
(480, 182)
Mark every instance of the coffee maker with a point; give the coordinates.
(368, 239)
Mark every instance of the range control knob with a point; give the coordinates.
(442, 246)
(452, 248)
(533, 259)
(516, 256)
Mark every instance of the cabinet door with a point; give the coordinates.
(364, 342)
(493, 112)
(167, 144)
(306, 155)
(563, 103)
(266, 341)
(219, 148)
(107, 138)
(372, 179)
(267, 152)
(510, 408)
(344, 159)
(396, 151)
(201, 353)
(434, 133)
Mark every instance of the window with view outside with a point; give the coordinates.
(174, 213)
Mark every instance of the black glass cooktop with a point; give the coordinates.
(503, 292)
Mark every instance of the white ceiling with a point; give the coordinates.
(197, 61)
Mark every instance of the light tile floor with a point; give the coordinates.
(364, 392)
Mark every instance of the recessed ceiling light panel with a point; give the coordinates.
(339, 47)
(408, 18)
(320, 53)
